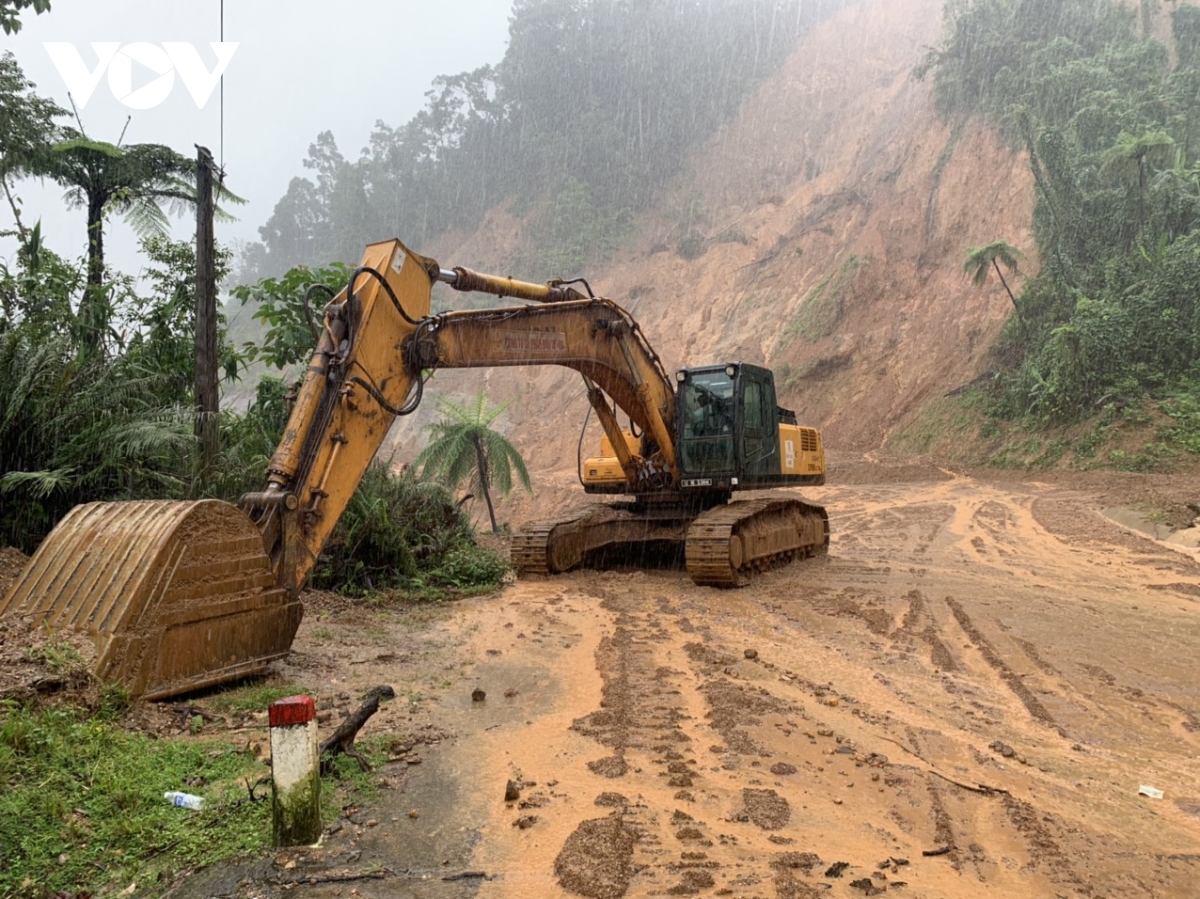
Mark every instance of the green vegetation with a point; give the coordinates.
(356, 785)
(58, 656)
(254, 697)
(103, 178)
(691, 246)
(403, 533)
(981, 261)
(823, 307)
(594, 108)
(97, 370)
(1112, 133)
(464, 448)
(81, 799)
(93, 386)
(9, 10)
(81, 803)
(289, 307)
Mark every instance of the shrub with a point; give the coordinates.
(399, 531)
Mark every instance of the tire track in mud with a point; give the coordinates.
(918, 613)
(735, 816)
(645, 721)
(997, 521)
(1011, 679)
(705, 817)
(888, 532)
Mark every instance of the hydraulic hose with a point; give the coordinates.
(366, 269)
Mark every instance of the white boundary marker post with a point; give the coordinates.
(295, 772)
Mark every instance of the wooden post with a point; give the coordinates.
(206, 314)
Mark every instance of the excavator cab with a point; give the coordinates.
(728, 425)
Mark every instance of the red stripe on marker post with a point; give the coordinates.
(291, 710)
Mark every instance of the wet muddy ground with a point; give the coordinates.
(962, 699)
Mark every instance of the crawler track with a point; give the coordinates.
(556, 545)
(723, 546)
(728, 544)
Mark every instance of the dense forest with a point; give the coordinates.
(1109, 118)
(594, 107)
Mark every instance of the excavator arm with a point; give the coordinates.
(378, 342)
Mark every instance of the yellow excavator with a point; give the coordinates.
(177, 596)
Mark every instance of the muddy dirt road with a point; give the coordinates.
(963, 699)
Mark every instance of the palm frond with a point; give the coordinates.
(38, 484)
(75, 144)
(146, 217)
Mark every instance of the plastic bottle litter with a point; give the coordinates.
(1151, 792)
(184, 800)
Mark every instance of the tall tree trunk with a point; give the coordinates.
(206, 316)
(1000, 274)
(22, 232)
(91, 317)
(481, 459)
(1141, 193)
(1020, 318)
(95, 227)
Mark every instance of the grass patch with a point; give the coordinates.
(58, 656)
(691, 246)
(792, 377)
(254, 697)
(82, 808)
(823, 307)
(347, 783)
(1182, 408)
(946, 424)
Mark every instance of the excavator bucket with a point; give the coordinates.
(175, 596)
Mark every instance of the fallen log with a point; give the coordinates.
(342, 739)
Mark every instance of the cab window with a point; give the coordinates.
(708, 405)
(755, 420)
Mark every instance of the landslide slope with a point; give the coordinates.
(835, 210)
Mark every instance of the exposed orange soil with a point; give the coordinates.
(987, 664)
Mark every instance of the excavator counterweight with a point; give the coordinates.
(176, 596)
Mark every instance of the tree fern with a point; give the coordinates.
(464, 448)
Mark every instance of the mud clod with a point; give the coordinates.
(868, 886)
(609, 766)
(597, 859)
(804, 861)
(692, 882)
(766, 808)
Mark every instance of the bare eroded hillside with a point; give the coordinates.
(838, 208)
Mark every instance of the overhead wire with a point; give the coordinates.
(222, 98)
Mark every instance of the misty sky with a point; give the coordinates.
(301, 67)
